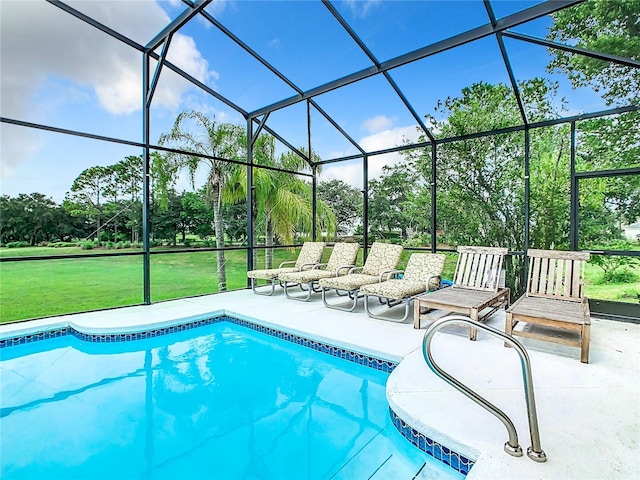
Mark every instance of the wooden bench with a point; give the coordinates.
(554, 298)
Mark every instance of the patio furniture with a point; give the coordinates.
(342, 259)
(381, 261)
(554, 300)
(310, 255)
(422, 274)
(475, 291)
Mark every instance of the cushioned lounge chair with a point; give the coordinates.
(342, 259)
(381, 261)
(423, 273)
(310, 255)
(475, 291)
(555, 299)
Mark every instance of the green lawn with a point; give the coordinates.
(32, 289)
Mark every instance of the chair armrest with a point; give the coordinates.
(307, 266)
(342, 267)
(429, 281)
(287, 263)
(318, 265)
(388, 273)
(354, 270)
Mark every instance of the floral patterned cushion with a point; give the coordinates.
(311, 252)
(421, 266)
(342, 254)
(306, 276)
(382, 256)
(349, 282)
(269, 273)
(395, 289)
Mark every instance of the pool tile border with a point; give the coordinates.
(349, 355)
(421, 441)
(458, 462)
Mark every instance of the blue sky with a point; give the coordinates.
(58, 71)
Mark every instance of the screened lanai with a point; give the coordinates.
(160, 149)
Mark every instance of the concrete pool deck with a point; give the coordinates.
(589, 414)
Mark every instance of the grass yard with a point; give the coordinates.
(32, 289)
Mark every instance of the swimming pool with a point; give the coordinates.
(220, 401)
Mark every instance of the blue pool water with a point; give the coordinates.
(220, 401)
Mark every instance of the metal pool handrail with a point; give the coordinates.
(534, 452)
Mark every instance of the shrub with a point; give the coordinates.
(616, 268)
(17, 244)
(619, 276)
(86, 246)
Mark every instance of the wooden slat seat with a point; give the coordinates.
(475, 291)
(554, 298)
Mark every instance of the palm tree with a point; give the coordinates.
(283, 201)
(195, 132)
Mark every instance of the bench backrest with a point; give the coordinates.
(479, 268)
(556, 274)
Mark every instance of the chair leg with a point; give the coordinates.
(584, 345)
(473, 333)
(416, 314)
(255, 290)
(338, 307)
(407, 303)
(508, 326)
(301, 299)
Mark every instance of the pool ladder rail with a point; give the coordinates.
(534, 452)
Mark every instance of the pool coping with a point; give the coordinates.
(44, 331)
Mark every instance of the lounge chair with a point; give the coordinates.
(381, 261)
(342, 259)
(423, 273)
(554, 298)
(475, 291)
(310, 255)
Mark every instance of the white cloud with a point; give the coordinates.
(360, 8)
(377, 124)
(389, 138)
(40, 42)
(351, 172)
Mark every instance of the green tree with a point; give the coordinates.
(195, 215)
(87, 195)
(283, 200)
(345, 202)
(28, 218)
(389, 200)
(609, 26)
(199, 135)
(480, 181)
